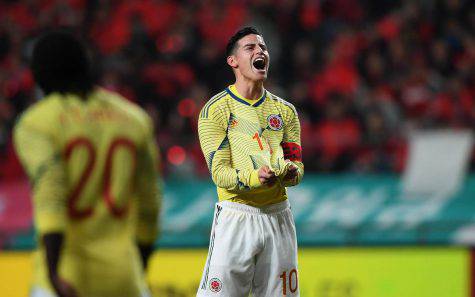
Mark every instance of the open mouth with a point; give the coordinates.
(259, 64)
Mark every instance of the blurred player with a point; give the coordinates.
(251, 141)
(91, 159)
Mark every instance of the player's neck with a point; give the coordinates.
(251, 90)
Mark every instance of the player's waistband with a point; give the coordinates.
(268, 209)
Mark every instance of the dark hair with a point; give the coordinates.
(237, 36)
(60, 63)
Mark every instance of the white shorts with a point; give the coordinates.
(251, 250)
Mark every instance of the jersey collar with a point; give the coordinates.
(231, 90)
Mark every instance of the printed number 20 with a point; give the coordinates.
(293, 285)
(75, 194)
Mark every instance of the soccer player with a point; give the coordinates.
(91, 159)
(251, 141)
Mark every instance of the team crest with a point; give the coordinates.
(274, 121)
(215, 285)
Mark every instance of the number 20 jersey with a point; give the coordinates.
(238, 136)
(93, 171)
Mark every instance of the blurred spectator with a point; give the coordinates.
(361, 73)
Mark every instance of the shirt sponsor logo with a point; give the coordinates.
(275, 122)
(215, 285)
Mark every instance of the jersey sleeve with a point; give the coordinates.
(42, 161)
(291, 146)
(149, 189)
(215, 146)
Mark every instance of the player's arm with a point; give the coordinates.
(43, 164)
(53, 243)
(149, 194)
(291, 145)
(215, 146)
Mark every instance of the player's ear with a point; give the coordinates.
(232, 61)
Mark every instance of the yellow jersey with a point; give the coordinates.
(93, 170)
(238, 136)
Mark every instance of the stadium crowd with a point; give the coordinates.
(362, 74)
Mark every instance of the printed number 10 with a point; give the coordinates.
(256, 136)
(292, 275)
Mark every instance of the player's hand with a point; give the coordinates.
(267, 176)
(292, 172)
(63, 288)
